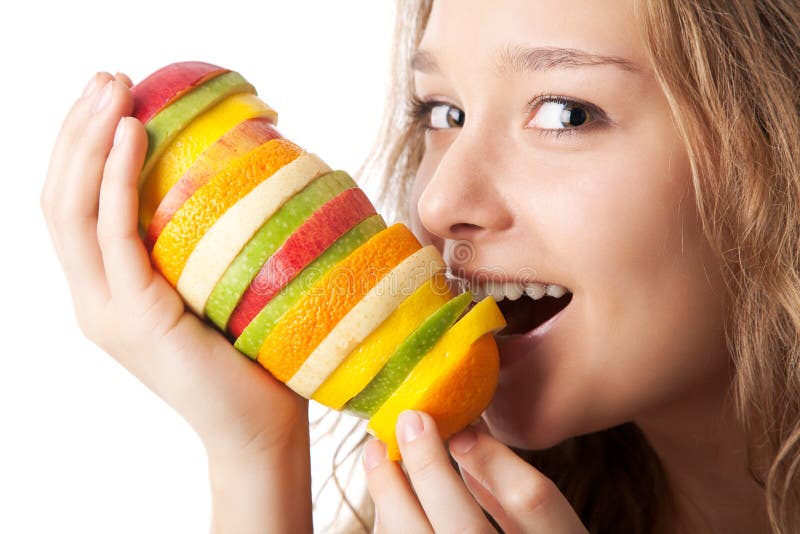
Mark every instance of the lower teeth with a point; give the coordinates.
(525, 314)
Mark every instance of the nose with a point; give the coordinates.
(464, 197)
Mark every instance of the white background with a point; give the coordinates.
(84, 447)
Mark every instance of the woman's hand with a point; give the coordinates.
(247, 420)
(516, 495)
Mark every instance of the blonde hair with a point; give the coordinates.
(731, 74)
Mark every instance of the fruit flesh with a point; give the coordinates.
(453, 388)
(318, 311)
(265, 242)
(172, 119)
(406, 356)
(253, 336)
(234, 144)
(159, 89)
(315, 235)
(367, 314)
(226, 237)
(456, 379)
(361, 365)
(199, 213)
(183, 151)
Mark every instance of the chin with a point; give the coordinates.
(509, 423)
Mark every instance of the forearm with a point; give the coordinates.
(271, 493)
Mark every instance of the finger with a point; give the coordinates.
(70, 126)
(75, 212)
(125, 259)
(124, 78)
(81, 185)
(396, 507)
(488, 502)
(446, 501)
(531, 501)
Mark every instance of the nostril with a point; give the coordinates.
(460, 228)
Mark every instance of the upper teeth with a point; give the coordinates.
(514, 290)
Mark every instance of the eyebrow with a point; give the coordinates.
(520, 59)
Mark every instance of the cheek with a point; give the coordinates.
(647, 326)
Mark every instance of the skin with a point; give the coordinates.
(607, 213)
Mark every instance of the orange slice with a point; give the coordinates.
(181, 153)
(368, 313)
(305, 325)
(453, 382)
(361, 365)
(201, 211)
(224, 240)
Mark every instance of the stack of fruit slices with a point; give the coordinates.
(289, 259)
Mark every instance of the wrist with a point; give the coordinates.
(267, 491)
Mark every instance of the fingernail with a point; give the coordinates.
(90, 86)
(104, 98)
(463, 442)
(409, 426)
(119, 134)
(374, 453)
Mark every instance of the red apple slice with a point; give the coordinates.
(156, 91)
(237, 142)
(316, 234)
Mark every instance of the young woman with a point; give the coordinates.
(643, 155)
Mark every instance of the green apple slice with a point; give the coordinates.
(226, 237)
(177, 115)
(407, 355)
(253, 336)
(368, 313)
(267, 240)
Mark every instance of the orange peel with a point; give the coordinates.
(201, 211)
(305, 325)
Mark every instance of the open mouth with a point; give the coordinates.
(525, 313)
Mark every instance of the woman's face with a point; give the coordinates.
(563, 166)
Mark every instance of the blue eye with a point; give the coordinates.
(433, 115)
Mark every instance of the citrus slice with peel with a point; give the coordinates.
(453, 390)
(406, 356)
(367, 314)
(453, 382)
(303, 327)
(259, 328)
(234, 144)
(240, 273)
(316, 234)
(201, 211)
(223, 241)
(182, 152)
(163, 128)
(361, 365)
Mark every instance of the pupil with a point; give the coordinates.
(577, 116)
(455, 117)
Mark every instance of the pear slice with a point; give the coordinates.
(249, 342)
(311, 238)
(373, 308)
(226, 237)
(265, 242)
(197, 151)
(361, 365)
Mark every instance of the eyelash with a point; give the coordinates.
(420, 109)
